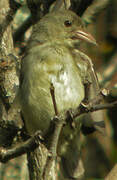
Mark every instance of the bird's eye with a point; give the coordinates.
(67, 23)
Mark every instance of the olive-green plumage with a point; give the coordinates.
(52, 58)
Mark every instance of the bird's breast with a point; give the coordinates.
(69, 90)
(59, 71)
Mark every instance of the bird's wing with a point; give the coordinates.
(96, 118)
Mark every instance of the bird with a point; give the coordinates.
(53, 59)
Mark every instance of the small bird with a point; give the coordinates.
(53, 59)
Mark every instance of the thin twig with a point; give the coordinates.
(86, 108)
(103, 106)
(52, 92)
(34, 141)
(59, 121)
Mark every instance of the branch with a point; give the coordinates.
(29, 145)
(93, 106)
(100, 107)
(39, 8)
(14, 5)
(93, 10)
(53, 147)
(8, 130)
(8, 17)
(19, 33)
(58, 121)
(9, 79)
(32, 143)
(112, 174)
(52, 92)
(109, 73)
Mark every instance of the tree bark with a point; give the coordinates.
(9, 82)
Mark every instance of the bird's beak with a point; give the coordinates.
(84, 36)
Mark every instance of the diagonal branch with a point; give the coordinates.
(109, 73)
(29, 145)
(35, 140)
(52, 92)
(8, 17)
(93, 106)
(112, 174)
(93, 10)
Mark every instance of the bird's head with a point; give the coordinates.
(64, 27)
